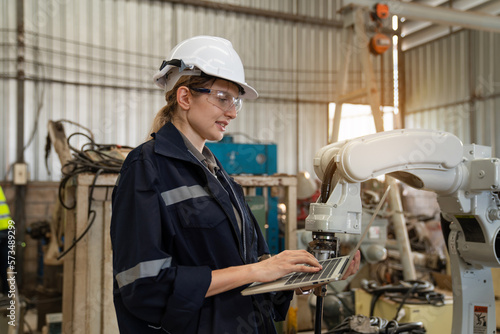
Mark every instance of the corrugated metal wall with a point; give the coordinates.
(91, 62)
(453, 84)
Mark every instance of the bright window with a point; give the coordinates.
(357, 120)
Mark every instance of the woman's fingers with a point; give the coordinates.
(304, 261)
(297, 257)
(287, 262)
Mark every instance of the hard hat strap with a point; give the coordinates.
(177, 63)
(175, 74)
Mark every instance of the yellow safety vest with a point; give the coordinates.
(4, 212)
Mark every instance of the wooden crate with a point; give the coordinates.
(88, 271)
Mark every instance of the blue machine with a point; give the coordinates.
(254, 159)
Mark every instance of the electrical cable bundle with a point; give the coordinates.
(91, 158)
(407, 292)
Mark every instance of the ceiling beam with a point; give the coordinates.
(409, 27)
(438, 15)
(433, 32)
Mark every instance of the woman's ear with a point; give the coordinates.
(183, 97)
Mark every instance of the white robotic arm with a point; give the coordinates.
(466, 180)
(423, 159)
(388, 152)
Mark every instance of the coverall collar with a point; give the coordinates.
(169, 142)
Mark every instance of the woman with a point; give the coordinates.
(184, 241)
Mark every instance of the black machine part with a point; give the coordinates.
(360, 324)
(324, 246)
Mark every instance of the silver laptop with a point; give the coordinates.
(333, 269)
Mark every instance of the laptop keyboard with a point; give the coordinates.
(329, 267)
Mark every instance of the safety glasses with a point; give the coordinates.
(221, 99)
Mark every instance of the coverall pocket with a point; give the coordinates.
(200, 213)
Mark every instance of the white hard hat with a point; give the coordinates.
(213, 56)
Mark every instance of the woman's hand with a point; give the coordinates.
(354, 266)
(290, 261)
(286, 262)
(268, 270)
(353, 269)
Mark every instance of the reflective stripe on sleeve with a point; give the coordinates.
(142, 270)
(183, 193)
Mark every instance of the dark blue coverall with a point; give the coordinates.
(172, 224)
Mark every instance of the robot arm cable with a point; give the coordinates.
(326, 185)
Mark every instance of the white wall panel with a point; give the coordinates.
(453, 84)
(7, 86)
(92, 61)
(313, 134)
(437, 74)
(487, 124)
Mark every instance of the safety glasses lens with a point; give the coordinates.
(226, 101)
(238, 103)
